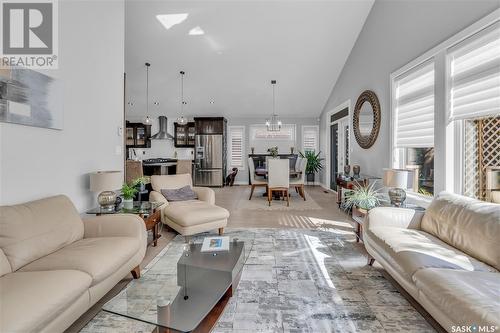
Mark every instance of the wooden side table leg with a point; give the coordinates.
(155, 234)
(358, 232)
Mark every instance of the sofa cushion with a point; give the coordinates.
(31, 300)
(170, 181)
(98, 257)
(468, 298)
(32, 230)
(411, 250)
(470, 225)
(194, 212)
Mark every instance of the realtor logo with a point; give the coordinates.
(29, 33)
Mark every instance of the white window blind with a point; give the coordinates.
(236, 146)
(310, 138)
(413, 104)
(475, 75)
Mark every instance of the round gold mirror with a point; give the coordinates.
(366, 119)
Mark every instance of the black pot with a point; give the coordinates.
(310, 177)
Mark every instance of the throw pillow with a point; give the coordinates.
(179, 194)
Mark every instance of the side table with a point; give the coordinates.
(148, 211)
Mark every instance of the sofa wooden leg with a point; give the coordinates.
(136, 272)
(221, 231)
(370, 260)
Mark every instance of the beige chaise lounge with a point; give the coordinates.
(446, 258)
(192, 216)
(54, 266)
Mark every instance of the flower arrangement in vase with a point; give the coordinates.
(273, 151)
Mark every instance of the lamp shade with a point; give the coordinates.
(396, 178)
(106, 181)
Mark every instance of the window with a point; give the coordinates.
(236, 146)
(473, 80)
(261, 139)
(310, 136)
(451, 110)
(413, 124)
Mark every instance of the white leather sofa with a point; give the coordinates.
(192, 216)
(54, 266)
(446, 258)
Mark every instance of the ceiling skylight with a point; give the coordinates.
(169, 20)
(196, 31)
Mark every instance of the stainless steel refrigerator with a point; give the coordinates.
(209, 160)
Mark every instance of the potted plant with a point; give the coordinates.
(140, 183)
(128, 193)
(314, 163)
(362, 197)
(273, 151)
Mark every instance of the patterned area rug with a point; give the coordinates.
(259, 202)
(294, 280)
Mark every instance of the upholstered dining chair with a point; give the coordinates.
(254, 181)
(278, 178)
(299, 182)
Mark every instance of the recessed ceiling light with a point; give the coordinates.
(196, 31)
(169, 20)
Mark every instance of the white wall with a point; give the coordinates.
(394, 33)
(36, 162)
(242, 177)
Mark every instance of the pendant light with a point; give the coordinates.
(182, 120)
(147, 120)
(274, 123)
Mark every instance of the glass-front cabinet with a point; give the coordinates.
(138, 135)
(184, 135)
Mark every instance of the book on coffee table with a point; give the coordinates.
(211, 244)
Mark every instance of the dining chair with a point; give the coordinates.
(253, 180)
(278, 179)
(299, 182)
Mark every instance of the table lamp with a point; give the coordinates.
(106, 182)
(396, 180)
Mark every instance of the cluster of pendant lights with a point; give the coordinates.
(181, 120)
(273, 124)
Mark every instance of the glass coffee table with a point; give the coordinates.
(185, 290)
(148, 211)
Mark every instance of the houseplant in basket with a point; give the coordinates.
(363, 197)
(314, 163)
(128, 193)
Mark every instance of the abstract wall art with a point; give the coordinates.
(28, 97)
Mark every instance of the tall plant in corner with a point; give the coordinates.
(314, 163)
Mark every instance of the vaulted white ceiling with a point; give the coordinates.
(246, 44)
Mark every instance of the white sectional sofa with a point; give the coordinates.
(54, 266)
(447, 257)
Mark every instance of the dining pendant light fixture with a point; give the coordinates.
(147, 120)
(273, 124)
(182, 120)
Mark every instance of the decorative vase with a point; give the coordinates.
(128, 203)
(253, 150)
(347, 169)
(356, 169)
(291, 150)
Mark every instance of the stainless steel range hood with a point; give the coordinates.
(163, 134)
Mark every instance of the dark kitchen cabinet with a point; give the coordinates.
(210, 125)
(184, 135)
(138, 135)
